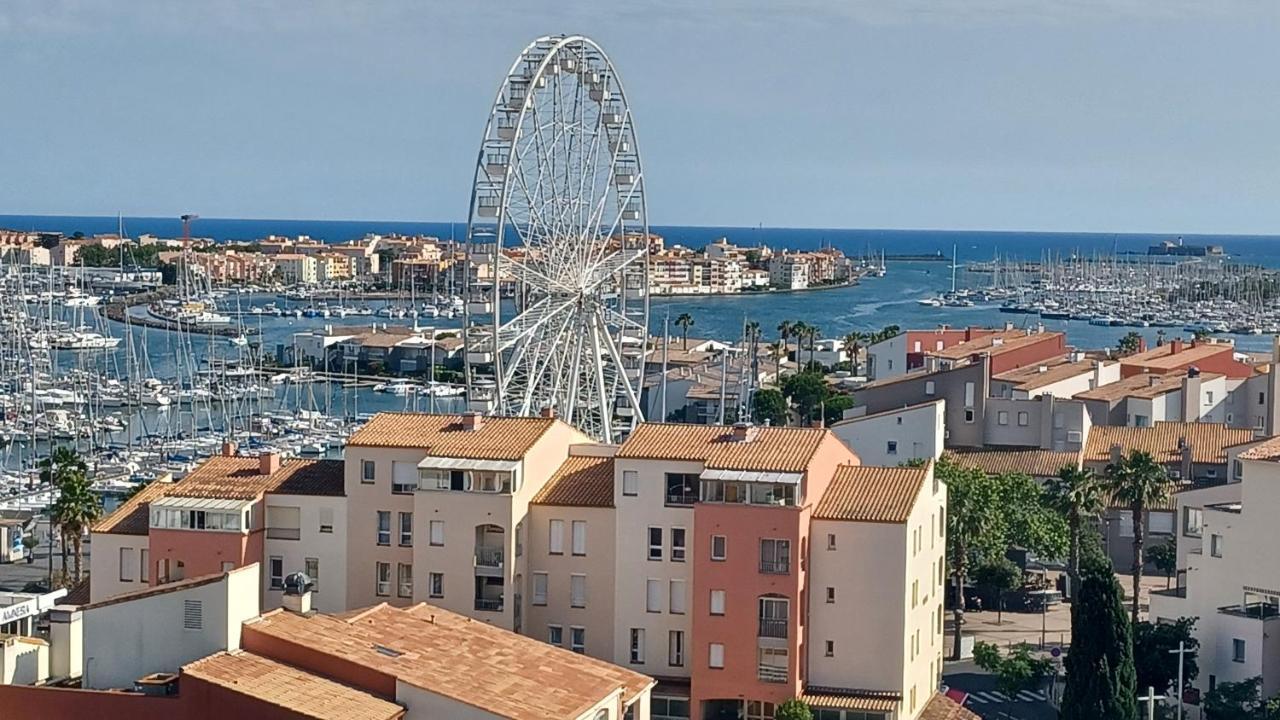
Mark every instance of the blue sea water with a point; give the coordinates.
(874, 303)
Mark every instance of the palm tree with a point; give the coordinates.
(852, 344)
(1138, 481)
(777, 351)
(1077, 494)
(77, 506)
(62, 464)
(785, 329)
(813, 333)
(795, 330)
(685, 321)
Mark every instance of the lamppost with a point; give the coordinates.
(1181, 652)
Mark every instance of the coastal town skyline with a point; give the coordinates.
(1009, 156)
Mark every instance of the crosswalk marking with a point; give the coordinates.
(982, 697)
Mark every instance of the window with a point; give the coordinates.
(579, 537)
(578, 591)
(831, 648)
(1237, 467)
(555, 634)
(637, 646)
(1023, 418)
(655, 543)
(682, 488)
(126, 564)
(326, 520)
(404, 477)
(1002, 417)
(555, 543)
(406, 529)
(653, 596)
(1215, 545)
(718, 547)
(1237, 650)
(1208, 397)
(192, 615)
(968, 394)
(276, 572)
(1125, 521)
(1192, 521)
(539, 588)
(968, 416)
(677, 544)
(772, 667)
(675, 648)
(367, 470)
(831, 595)
(382, 587)
(775, 557)
(675, 603)
(891, 447)
(578, 639)
(630, 482)
(928, 387)
(717, 602)
(311, 566)
(715, 655)
(831, 541)
(1161, 523)
(144, 565)
(384, 527)
(436, 529)
(773, 617)
(404, 586)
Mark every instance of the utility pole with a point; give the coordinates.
(1150, 699)
(666, 341)
(724, 379)
(1181, 653)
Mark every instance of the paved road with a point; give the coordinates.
(990, 703)
(13, 576)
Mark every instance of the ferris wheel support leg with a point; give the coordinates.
(606, 419)
(636, 414)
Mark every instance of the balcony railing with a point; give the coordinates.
(681, 497)
(775, 567)
(771, 673)
(490, 557)
(281, 533)
(773, 628)
(489, 605)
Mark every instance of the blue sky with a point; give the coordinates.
(1128, 115)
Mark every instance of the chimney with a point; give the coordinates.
(744, 432)
(1117, 454)
(297, 593)
(1153, 380)
(229, 449)
(472, 421)
(548, 412)
(1008, 326)
(1175, 346)
(268, 462)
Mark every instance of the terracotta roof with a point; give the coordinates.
(187, 584)
(498, 438)
(1164, 357)
(298, 691)
(474, 663)
(580, 481)
(1030, 461)
(1032, 377)
(840, 699)
(1268, 449)
(1146, 385)
(1208, 441)
(77, 595)
(238, 478)
(781, 449)
(941, 707)
(865, 493)
(994, 344)
(133, 517)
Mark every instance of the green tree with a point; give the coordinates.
(1015, 672)
(1129, 344)
(97, 256)
(1165, 557)
(29, 545)
(807, 391)
(812, 333)
(778, 353)
(884, 333)
(785, 330)
(986, 514)
(852, 344)
(1101, 680)
(1000, 575)
(769, 406)
(833, 409)
(793, 710)
(1138, 482)
(77, 506)
(1236, 701)
(1077, 495)
(1155, 656)
(685, 321)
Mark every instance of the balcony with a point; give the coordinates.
(489, 604)
(1253, 610)
(771, 673)
(775, 567)
(489, 557)
(282, 533)
(770, 628)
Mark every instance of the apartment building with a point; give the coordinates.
(296, 267)
(892, 437)
(1226, 579)
(1145, 399)
(789, 271)
(905, 351)
(1177, 356)
(1062, 377)
(335, 267)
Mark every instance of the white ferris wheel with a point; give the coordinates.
(557, 306)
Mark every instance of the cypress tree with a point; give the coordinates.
(1101, 680)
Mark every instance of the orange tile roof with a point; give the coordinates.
(1164, 358)
(941, 707)
(580, 481)
(1208, 441)
(238, 478)
(471, 662)
(298, 691)
(1145, 385)
(1032, 377)
(780, 449)
(498, 438)
(994, 344)
(1268, 449)
(1030, 461)
(841, 699)
(865, 493)
(133, 517)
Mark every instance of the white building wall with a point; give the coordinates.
(887, 358)
(596, 566)
(329, 548)
(915, 433)
(104, 565)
